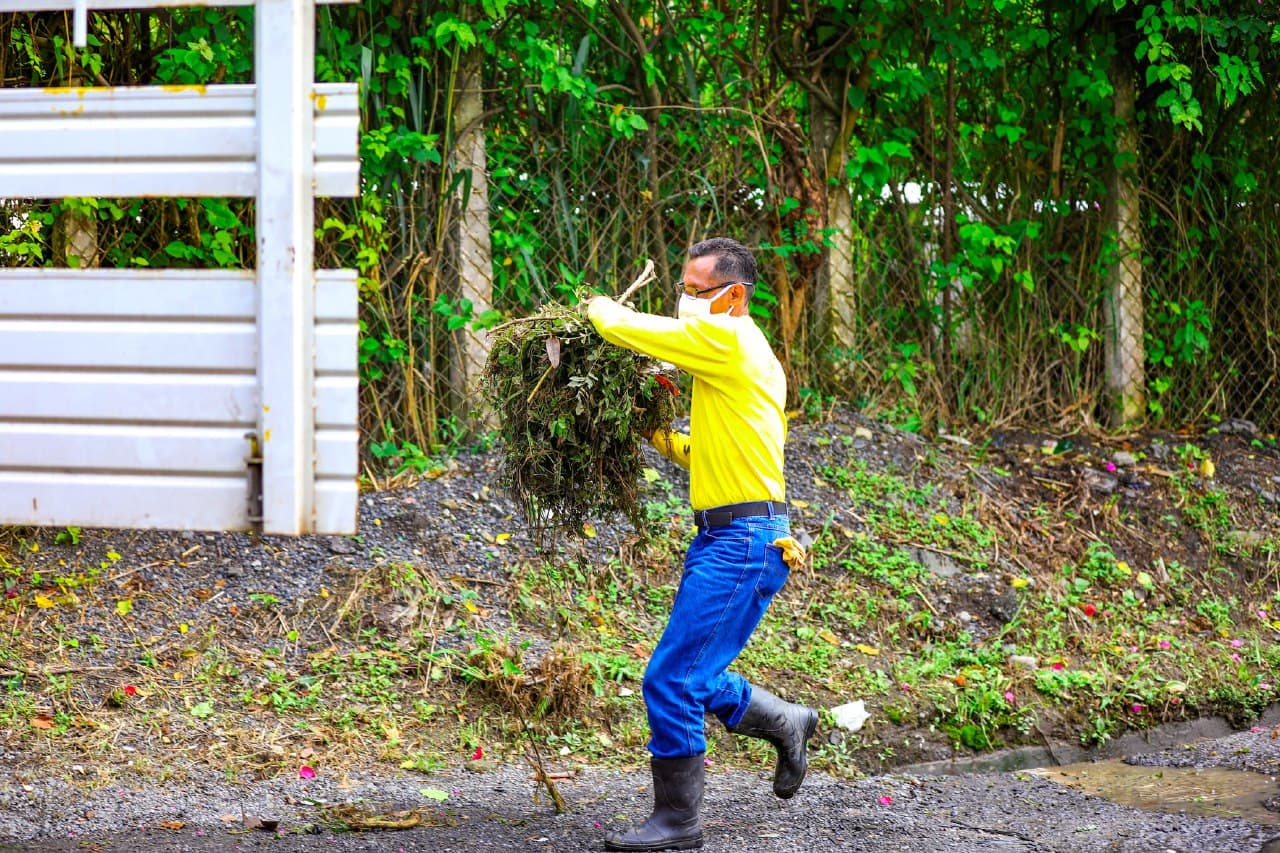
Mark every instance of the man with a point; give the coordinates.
(733, 568)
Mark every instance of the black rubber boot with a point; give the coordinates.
(788, 727)
(677, 799)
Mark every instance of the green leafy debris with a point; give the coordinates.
(572, 410)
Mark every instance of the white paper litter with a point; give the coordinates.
(851, 715)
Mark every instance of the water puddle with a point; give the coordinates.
(1212, 792)
(1101, 772)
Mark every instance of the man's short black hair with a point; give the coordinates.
(734, 261)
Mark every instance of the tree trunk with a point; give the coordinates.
(475, 251)
(835, 292)
(1125, 382)
(75, 239)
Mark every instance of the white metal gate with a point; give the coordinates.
(185, 399)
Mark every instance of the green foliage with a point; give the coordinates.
(572, 411)
(980, 142)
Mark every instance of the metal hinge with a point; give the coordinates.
(253, 466)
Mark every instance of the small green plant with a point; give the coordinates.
(1216, 611)
(68, 536)
(1100, 566)
(816, 405)
(1098, 731)
(1063, 683)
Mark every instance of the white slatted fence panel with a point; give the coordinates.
(164, 398)
(103, 500)
(91, 402)
(160, 141)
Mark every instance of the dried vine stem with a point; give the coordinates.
(646, 276)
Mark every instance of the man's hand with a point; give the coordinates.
(584, 307)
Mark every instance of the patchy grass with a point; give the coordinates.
(973, 598)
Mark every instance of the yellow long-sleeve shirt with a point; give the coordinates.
(739, 394)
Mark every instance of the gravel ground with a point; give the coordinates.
(497, 811)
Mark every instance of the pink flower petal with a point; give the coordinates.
(1137, 708)
(1235, 644)
(1009, 697)
(886, 800)
(305, 772)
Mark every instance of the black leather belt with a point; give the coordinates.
(719, 516)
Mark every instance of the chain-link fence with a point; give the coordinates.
(942, 325)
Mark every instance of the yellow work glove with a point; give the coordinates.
(793, 552)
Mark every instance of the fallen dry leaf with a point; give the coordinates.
(42, 721)
(174, 825)
(264, 824)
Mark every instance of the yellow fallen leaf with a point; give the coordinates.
(941, 518)
(867, 650)
(42, 602)
(470, 608)
(801, 504)
(1123, 568)
(829, 637)
(324, 592)
(183, 628)
(1207, 469)
(589, 531)
(124, 606)
(1019, 583)
(501, 537)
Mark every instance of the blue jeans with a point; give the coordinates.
(731, 574)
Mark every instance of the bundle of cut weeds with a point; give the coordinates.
(572, 410)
